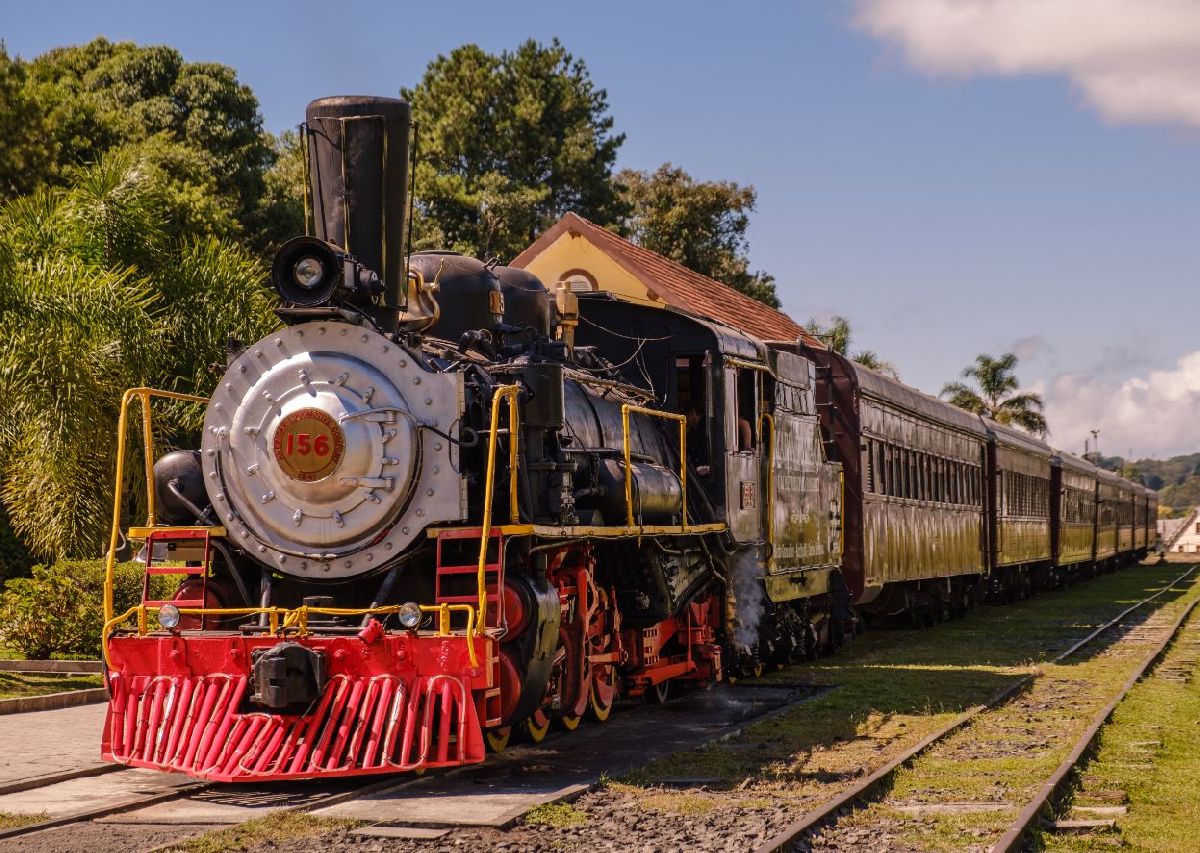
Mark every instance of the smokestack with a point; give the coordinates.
(358, 176)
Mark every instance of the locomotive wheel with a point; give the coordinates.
(659, 693)
(498, 738)
(603, 693)
(537, 726)
(569, 722)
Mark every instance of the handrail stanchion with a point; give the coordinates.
(769, 420)
(110, 561)
(510, 392)
(626, 410)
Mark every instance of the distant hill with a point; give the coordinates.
(1177, 480)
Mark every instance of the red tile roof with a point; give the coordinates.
(675, 284)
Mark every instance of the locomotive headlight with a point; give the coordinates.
(308, 272)
(409, 615)
(168, 616)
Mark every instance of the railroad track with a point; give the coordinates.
(562, 764)
(862, 793)
(1029, 820)
(295, 797)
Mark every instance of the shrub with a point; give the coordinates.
(60, 608)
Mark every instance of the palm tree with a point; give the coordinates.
(101, 291)
(997, 397)
(837, 335)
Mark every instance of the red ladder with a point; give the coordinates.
(454, 584)
(184, 544)
(459, 575)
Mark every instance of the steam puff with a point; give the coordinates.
(1152, 415)
(748, 593)
(1134, 61)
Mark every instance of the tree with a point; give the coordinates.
(72, 105)
(699, 224)
(23, 156)
(103, 289)
(508, 144)
(997, 396)
(837, 336)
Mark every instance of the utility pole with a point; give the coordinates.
(1096, 445)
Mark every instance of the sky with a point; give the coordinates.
(954, 176)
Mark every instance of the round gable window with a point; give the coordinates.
(578, 281)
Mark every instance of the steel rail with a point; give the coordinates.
(822, 812)
(125, 806)
(1016, 832)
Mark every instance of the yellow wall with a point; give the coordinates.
(571, 252)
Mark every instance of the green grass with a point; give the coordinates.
(1163, 802)
(560, 815)
(1005, 754)
(9, 820)
(262, 832)
(893, 687)
(15, 685)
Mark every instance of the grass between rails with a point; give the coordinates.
(12, 821)
(1157, 724)
(893, 688)
(1003, 756)
(264, 831)
(15, 685)
(556, 814)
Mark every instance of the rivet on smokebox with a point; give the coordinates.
(416, 380)
(429, 493)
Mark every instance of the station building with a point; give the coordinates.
(585, 257)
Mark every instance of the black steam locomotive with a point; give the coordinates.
(443, 503)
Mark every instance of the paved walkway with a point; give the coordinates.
(46, 743)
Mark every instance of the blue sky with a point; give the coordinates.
(948, 197)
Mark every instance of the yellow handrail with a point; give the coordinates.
(769, 420)
(626, 410)
(509, 392)
(298, 617)
(283, 618)
(145, 395)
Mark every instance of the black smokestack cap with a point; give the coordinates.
(358, 177)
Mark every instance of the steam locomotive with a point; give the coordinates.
(442, 504)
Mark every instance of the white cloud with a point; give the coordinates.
(1134, 61)
(1155, 415)
(1029, 347)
